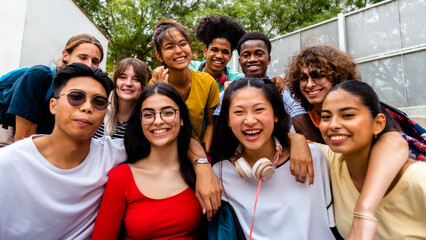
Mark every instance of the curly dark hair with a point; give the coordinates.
(338, 65)
(219, 26)
(255, 36)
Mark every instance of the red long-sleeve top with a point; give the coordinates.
(175, 217)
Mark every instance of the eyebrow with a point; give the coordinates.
(255, 105)
(76, 89)
(79, 90)
(169, 43)
(86, 55)
(152, 109)
(341, 110)
(172, 41)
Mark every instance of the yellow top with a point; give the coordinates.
(204, 94)
(402, 212)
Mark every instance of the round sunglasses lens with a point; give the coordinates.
(100, 103)
(76, 98)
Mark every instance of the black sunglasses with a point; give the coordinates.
(76, 98)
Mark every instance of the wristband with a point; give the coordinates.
(365, 216)
(201, 161)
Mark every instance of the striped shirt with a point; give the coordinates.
(119, 131)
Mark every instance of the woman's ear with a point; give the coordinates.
(52, 105)
(379, 123)
(65, 56)
(159, 57)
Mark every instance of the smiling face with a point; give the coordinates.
(128, 86)
(314, 86)
(217, 56)
(175, 50)
(252, 118)
(161, 133)
(254, 58)
(347, 125)
(78, 122)
(86, 53)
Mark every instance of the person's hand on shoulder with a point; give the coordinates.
(301, 159)
(279, 83)
(226, 84)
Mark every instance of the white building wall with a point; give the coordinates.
(35, 31)
(12, 21)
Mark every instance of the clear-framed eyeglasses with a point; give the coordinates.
(168, 115)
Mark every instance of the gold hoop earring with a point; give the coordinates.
(375, 136)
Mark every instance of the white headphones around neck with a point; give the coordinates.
(262, 169)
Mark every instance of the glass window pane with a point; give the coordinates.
(322, 34)
(413, 22)
(386, 77)
(282, 50)
(373, 31)
(415, 73)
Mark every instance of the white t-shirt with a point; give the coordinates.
(41, 201)
(286, 209)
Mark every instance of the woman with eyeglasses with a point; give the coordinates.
(130, 77)
(151, 195)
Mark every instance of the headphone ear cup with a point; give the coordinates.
(243, 168)
(263, 169)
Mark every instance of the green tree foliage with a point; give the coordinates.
(129, 24)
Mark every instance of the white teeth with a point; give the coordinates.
(180, 59)
(158, 131)
(253, 67)
(337, 138)
(252, 132)
(218, 62)
(313, 92)
(126, 90)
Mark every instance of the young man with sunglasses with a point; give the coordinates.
(51, 185)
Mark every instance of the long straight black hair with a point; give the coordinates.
(137, 145)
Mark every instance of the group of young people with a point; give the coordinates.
(133, 164)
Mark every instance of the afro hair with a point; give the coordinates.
(255, 36)
(213, 27)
